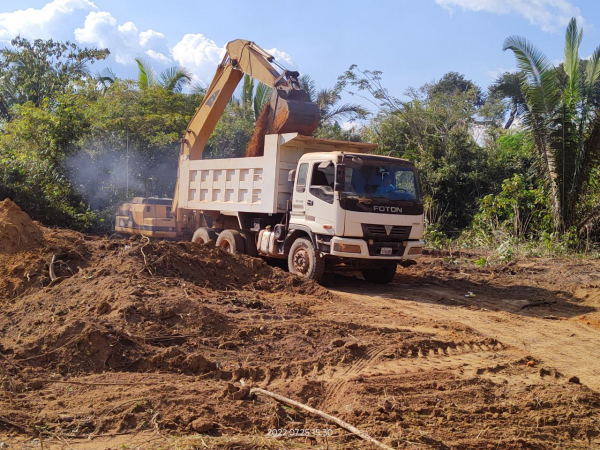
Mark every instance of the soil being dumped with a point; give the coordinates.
(107, 339)
(256, 146)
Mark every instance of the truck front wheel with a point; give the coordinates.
(231, 241)
(304, 260)
(383, 275)
(205, 236)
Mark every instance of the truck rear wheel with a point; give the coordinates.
(383, 275)
(304, 260)
(231, 241)
(205, 236)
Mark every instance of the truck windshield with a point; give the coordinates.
(386, 181)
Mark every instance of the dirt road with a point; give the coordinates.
(535, 321)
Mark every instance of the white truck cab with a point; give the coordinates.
(358, 205)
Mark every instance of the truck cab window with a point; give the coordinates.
(321, 182)
(301, 179)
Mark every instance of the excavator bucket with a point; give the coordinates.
(294, 112)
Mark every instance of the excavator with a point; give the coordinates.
(289, 110)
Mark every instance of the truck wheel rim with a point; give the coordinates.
(226, 246)
(301, 261)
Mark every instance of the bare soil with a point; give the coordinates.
(139, 344)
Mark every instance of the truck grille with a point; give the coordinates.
(396, 233)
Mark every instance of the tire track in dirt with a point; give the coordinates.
(570, 347)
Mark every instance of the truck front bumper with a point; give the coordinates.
(341, 245)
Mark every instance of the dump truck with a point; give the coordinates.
(321, 204)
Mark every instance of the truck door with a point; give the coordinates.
(299, 193)
(319, 198)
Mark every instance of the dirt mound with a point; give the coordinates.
(30, 251)
(90, 305)
(17, 231)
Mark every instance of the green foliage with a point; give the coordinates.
(38, 71)
(172, 79)
(563, 121)
(328, 102)
(434, 128)
(434, 238)
(134, 136)
(254, 95)
(232, 134)
(335, 131)
(519, 210)
(508, 87)
(32, 148)
(73, 146)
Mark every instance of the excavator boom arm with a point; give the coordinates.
(242, 57)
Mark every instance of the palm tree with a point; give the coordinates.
(509, 86)
(562, 119)
(327, 100)
(105, 79)
(173, 79)
(254, 96)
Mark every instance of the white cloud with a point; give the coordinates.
(158, 57)
(44, 23)
(202, 56)
(125, 41)
(347, 126)
(199, 54)
(282, 58)
(549, 15)
(83, 22)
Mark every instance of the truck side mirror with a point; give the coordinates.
(340, 177)
(292, 175)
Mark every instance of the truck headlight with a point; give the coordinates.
(346, 248)
(415, 250)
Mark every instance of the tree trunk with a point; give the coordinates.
(591, 153)
(511, 119)
(551, 177)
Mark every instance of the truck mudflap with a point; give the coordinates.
(359, 248)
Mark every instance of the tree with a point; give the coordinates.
(254, 95)
(328, 101)
(508, 86)
(172, 79)
(454, 82)
(40, 70)
(33, 147)
(562, 120)
(434, 127)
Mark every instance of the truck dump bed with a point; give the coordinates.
(253, 184)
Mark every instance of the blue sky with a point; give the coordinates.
(411, 41)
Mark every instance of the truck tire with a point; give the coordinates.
(305, 261)
(205, 236)
(231, 241)
(383, 275)
(249, 243)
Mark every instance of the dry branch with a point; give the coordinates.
(325, 416)
(12, 424)
(83, 383)
(9, 361)
(53, 276)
